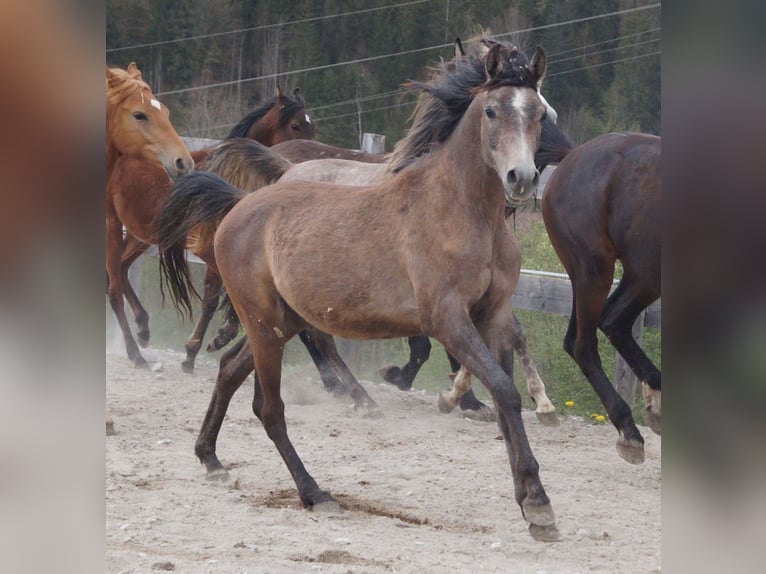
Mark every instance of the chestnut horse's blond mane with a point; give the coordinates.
(120, 84)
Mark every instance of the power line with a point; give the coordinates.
(589, 54)
(551, 54)
(404, 52)
(605, 63)
(265, 26)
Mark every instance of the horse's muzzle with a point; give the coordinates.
(520, 186)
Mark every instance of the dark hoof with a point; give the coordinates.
(485, 414)
(654, 422)
(445, 406)
(631, 450)
(394, 376)
(187, 366)
(217, 475)
(545, 533)
(143, 339)
(469, 402)
(548, 419)
(217, 344)
(140, 363)
(110, 426)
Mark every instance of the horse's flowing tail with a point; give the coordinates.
(554, 145)
(199, 201)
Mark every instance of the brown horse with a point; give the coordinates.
(137, 193)
(426, 251)
(601, 205)
(138, 125)
(138, 130)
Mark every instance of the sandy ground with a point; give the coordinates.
(423, 491)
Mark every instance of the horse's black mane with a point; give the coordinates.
(289, 105)
(448, 94)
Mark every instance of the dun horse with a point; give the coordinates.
(603, 204)
(138, 190)
(427, 251)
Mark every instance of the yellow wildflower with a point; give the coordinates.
(569, 403)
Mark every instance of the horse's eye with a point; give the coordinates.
(141, 116)
(296, 127)
(544, 117)
(490, 112)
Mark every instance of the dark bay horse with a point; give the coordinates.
(601, 205)
(137, 191)
(427, 251)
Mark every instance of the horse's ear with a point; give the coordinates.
(299, 97)
(485, 45)
(133, 71)
(280, 95)
(539, 64)
(113, 79)
(493, 62)
(459, 51)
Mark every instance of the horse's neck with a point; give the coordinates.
(475, 184)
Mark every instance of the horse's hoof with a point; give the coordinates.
(539, 514)
(394, 376)
(217, 344)
(143, 339)
(550, 419)
(187, 366)
(110, 426)
(484, 414)
(654, 422)
(327, 507)
(548, 533)
(445, 406)
(140, 363)
(631, 450)
(217, 475)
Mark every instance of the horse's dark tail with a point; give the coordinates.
(198, 202)
(554, 145)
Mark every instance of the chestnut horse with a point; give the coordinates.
(137, 192)
(602, 204)
(427, 251)
(138, 130)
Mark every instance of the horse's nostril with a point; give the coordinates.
(536, 179)
(512, 177)
(181, 165)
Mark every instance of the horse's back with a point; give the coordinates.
(300, 150)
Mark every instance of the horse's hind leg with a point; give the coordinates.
(420, 350)
(590, 299)
(226, 333)
(236, 363)
(325, 345)
(267, 349)
(471, 406)
(212, 292)
(132, 249)
(330, 380)
(544, 409)
(114, 290)
(622, 308)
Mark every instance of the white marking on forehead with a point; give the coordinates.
(142, 97)
(518, 101)
(156, 103)
(308, 119)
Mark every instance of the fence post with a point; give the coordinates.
(625, 380)
(373, 143)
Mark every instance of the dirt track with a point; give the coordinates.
(424, 492)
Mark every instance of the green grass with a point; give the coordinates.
(544, 332)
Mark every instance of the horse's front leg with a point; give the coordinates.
(471, 345)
